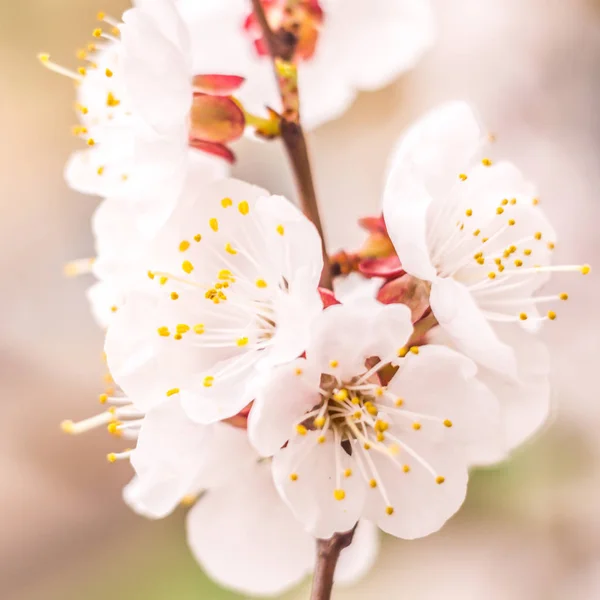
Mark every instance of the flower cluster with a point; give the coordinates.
(282, 411)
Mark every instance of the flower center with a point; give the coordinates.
(303, 18)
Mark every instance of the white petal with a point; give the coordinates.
(174, 455)
(156, 71)
(456, 311)
(421, 506)
(246, 539)
(311, 494)
(289, 392)
(360, 557)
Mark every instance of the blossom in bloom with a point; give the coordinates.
(365, 427)
(214, 468)
(234, 277)
(473, 232)
(344, 46)
(141, 108)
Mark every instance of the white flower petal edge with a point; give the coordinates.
(394, 454)
(248, 540)
(175, 455)
(329, 80)
(471, 228)
(524, 402)
(235, 275)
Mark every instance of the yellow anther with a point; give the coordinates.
(108, 72)
(208, 381)
(389, 510)
(416, 426)
(174, 295)
(355, 400)
(486, 162)
(301, 430)
(511, 222)
(551, 315)
(527, 252)
(504, 202)
(187, 266)
(183, 245)
(114, 308)
(439, 479)
(402, 352)
(550, 245)
(92, 47)
(380, 437)
(164, 331)
(199, 328)
(379, 391)
(513, 201)
(188, 500)
(244, 207)
(477, 232)
(381, 425)
(333, 363)
(293, 476)
(172, 391)
(357, 414)
(469, 212)
(341, 395)
(321, 439)
(103, 398)
(585, 269)
(81, 71)
(367, 446)
(448, 423)
(535, 201)
(100, 16)
(484, 240)
(538, 235)
(348, 473)
(261, 283)
(112, 428)
(399, 402)
(91, 142)
(111, 100)
(182, 328)
(230, 249)
(564, 296)
(100, 170)
(523, 316)
(319, 422)
(111, 457)
(97, 32)
(498, 261)
(499, 210)
(414, 349)
(197, 237)
(298, 371)
(214, 224)
(67, 426)
(339, 494)
(492, 275)
(463, 176)
(163, 280)
(373, 483)
(394, 450)
(226, 202)
(406, 468)
(518, 262)
(480, 260)
(243, 341)
(224, 274)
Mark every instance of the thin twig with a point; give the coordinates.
(282, 46)
(328, 553)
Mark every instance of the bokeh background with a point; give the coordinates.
(531, 527)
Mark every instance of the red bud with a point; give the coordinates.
(216, 119)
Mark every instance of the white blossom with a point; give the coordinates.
(474, 231)
(234, 278)
(348, 447)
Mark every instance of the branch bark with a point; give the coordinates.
(282, 46)
(328, 553)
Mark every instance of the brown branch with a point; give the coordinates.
(282, 46)
(328, 553)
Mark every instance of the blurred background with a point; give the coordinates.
(531, 527)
